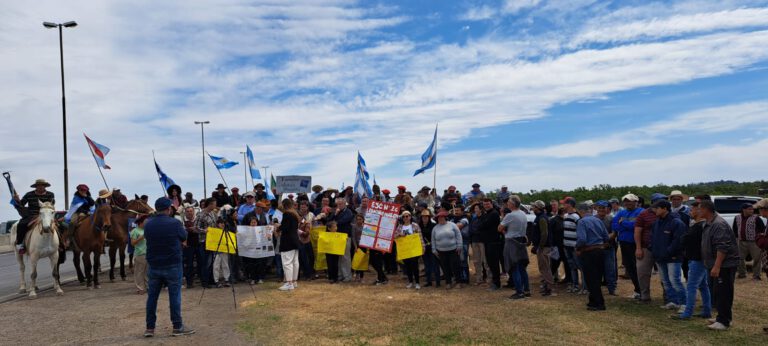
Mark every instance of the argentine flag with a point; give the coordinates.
(164, 178)
(99, 152)
(362, 188)
(221, 162)
(255, 174)
(268, 190)
(429, 158)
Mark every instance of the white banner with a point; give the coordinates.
(293, 183)
(255, 242)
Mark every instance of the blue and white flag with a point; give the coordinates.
(72, 209)
(268, 189)
(429, 158)
(361, 187)
(255, 174)
(165, 180)
(221, 162)
(99, 152)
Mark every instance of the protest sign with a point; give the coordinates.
(314, 236)
(409, 246)
(255, 242)
(360, 260)
(293, 183)
(332, 243)
(219, 241)
(379, 226)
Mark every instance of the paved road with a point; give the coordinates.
(9, 273)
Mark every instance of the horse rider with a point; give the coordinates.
(84, 202)
(104, 198)
(29, 208)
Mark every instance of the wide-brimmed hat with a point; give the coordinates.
(676, 193)
(425, 188)
(761, 204)
(220, 186)
(104, 193)
(317, 188)
(259, 185)
(40, 182)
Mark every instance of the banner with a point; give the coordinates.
(215, 241)
(332, 243)
(409, 246)
(314, 236)
(255, 242)
(360, 261)
(293, 183)
(379, 227)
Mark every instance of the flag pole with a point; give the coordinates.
(221, 175)
(245, 171)
(162, 187)
(434, 177)
(96, 162)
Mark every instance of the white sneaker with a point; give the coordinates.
(717, 326)
(409, 285)
(634, 295)
(294, 285)
(286, 287)
(680, 309)
(417, 286)
(669, 306)
(260, 282)
(712, 320)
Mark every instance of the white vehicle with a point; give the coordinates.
(730, 206)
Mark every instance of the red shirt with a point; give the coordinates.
(646, 220)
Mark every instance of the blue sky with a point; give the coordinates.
(534, 94)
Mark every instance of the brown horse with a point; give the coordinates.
(89, 240)
(119, 232)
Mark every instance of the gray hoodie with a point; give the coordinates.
(718, 236)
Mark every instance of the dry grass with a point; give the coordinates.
(320, 313)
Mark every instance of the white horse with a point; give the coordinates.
(42, 240)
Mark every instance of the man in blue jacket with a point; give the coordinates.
(164, 235)
(667, 250)
(624, 225)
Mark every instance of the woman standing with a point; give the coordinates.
(431, 265)
(446, 244)
(289, 245)
(476, 242)
(411, 264)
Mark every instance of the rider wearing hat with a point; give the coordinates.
(84, 202)
(29, 208)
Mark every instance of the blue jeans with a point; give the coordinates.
(464, 264)
(674, 288)
(431, 267)
(519, 275)
(307, 260)
(697, 279)
(169, 276)
(573, 263)
(278, 266)
(610, 269)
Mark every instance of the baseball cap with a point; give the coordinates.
(657, 196)
(630, 197)
(162, 203)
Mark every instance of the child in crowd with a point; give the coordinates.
(332, 260)
(139, 255)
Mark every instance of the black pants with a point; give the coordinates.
(377, 261)
(593, 265)
(723, 293)
(390, 260)
(493, 256)
(412, 269)
(333, 267)
(449, 262)
(556, 265)
(21, 228)
(630, 263)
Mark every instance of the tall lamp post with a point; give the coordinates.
(49, 25)
(245, 170)
(202, 137)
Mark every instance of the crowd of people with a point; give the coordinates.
(471, 239)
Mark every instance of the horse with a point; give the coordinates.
(89, 240)
(42, 240)
(119, 232)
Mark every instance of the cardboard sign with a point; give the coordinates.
(332, 243)
(293, 183)
(218, 240)
(409, 246)
(255, 242)
(360, 261)
(314, 236)
(379, 226)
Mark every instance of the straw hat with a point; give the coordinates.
(40, 182)
(104, 193)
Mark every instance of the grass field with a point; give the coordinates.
(361, 314)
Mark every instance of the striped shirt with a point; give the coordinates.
(569, 229)
(32, 200)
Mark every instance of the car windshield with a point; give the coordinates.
(731, 205)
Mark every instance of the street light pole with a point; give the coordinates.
(49, 25)
(202, 137)
(245, 171)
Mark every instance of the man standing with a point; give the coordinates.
(592, 239)
(747, 226)
(451, 197)
(624, 224)
(611, 269)
(402, 197)
(514, 226)
(502, 195)
(344, 217)
(542, 243)
(32, 200)
(247, 207)
(493, 242)
(188, 200)
(426, 198)
(205, 219)
(676, 197)
(720, 255)
(164, 235)
(221, 196)
(569, 243)
(666, 249)
(643, 254)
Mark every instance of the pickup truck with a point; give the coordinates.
(730, 206)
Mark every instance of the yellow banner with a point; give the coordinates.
(215, 241)
(314, 235)
(333, 243)
(360, 260)
(409, 246)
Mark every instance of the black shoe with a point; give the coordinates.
(527, 293)
(493, 288)
(596, 308)
(517, 296)
(183, 331)
(546, 293)
(429, 284)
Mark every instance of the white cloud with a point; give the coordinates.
(515, 6)
(479, 13)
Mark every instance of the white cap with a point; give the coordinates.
(630, 197)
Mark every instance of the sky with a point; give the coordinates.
(534, 94)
